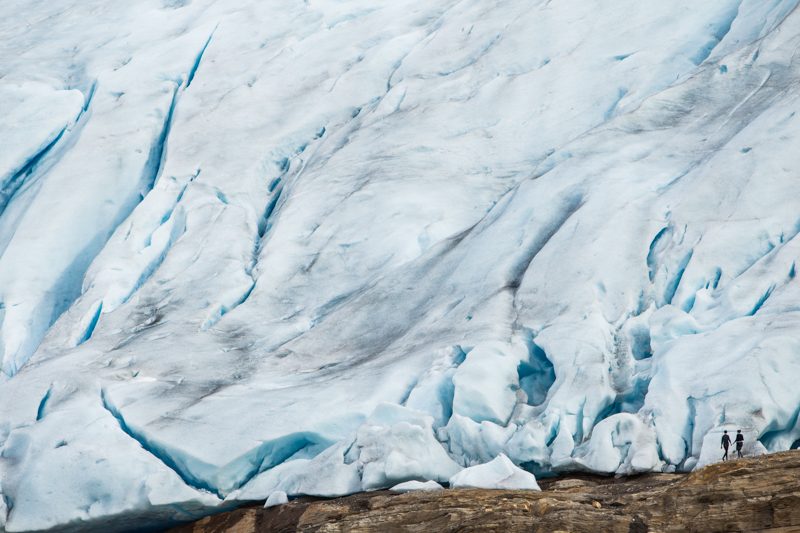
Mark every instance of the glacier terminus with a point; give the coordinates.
(281, 248)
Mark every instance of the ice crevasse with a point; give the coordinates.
(254, 249)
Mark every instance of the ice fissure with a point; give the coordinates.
(719, 29)
(366, 244)
(94, 318)
(155, 159)
(22, 178)
(40, 411)
(539, 240)
(175, 463)
(67, 286)
(198, 59)
(536, 374)
(11, 185)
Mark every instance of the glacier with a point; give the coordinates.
(262, 247)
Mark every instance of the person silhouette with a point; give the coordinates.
(726, 441)
(739, 442)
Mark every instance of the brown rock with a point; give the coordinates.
(760, 494)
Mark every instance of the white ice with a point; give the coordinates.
(499, 473)
(394, 445)
(276, 498)
(410, 486)
(331, 246)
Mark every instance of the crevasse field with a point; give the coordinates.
(323, 247)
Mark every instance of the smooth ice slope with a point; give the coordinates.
(500, 473)
(320, 247)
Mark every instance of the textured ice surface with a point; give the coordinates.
(395, 444)
(622, 443)
(321, 247)
(499, 473)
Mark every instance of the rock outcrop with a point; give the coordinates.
(753, 494)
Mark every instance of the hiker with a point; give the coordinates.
(726, 441)
(739, 442)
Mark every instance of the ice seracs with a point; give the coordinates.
(485, 384)
(396, 444)
(393, 445)
(621, 444)
(325, 247)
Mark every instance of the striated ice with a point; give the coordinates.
(76, 463)
(324, 247)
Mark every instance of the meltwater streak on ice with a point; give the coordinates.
(327, 247)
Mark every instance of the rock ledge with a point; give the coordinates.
(749, 494)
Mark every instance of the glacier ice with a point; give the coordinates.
(484, 386)
(499, 473)
(393, 445)
(410, 486)
(316, 248)
(276, 498)
(621, 444)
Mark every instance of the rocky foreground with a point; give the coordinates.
(752, 494)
